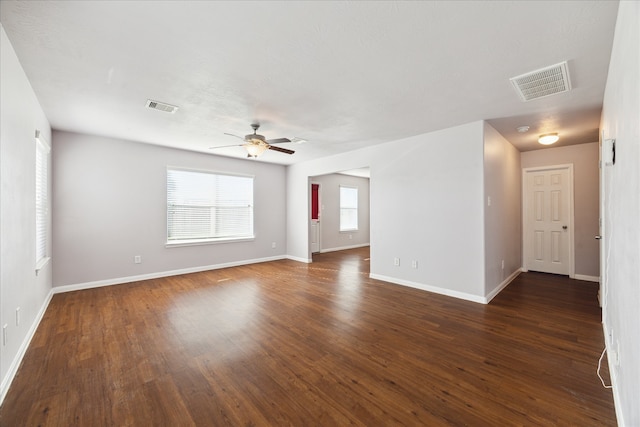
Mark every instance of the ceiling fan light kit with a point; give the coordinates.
(548, 138)
(255, 149)
(256, 144)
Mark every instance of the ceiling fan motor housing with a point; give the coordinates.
(254, 136)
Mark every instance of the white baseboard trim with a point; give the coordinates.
(451, 293)
(614, 388)
(429, 288)
(586, 278)
(576, 276)
(342, 248)
(15, 363)
(298, 259)
(13, 368)
(491, 295)
(129, 279)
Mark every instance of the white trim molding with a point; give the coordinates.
(430, 288)
(342, 248)
(298, 259)
(17, 360)
(586, 278)
(491, 295)
(448, 292)
(129, 279)
(614, 378)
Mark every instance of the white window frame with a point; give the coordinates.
(344, 209)
(42, 161)
(211, 239)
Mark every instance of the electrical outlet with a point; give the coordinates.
(613, 357)
(137, 259)
(18, 316)
(273, 245)
(503, 264)
(396, 262)
(613, 351)
(4, 334)
(414, 264)
(350, 236)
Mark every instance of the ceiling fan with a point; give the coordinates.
(256, 144)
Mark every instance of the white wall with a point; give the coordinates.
(584, 158)
(426, 205)
(110, 205)
(20, 116)
(503, 218)
(331, 238)
(621, 235)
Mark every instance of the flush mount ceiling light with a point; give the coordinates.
(522, 129)
(548, 138)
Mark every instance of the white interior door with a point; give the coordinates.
(548, 220)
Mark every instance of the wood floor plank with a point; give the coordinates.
(284, 343)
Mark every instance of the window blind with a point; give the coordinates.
(42, 199)
(208, 206)
(348, 208)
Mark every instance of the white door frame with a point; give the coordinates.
(525, 236)
(318, 225)
(602, 291)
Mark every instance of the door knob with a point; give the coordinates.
(564, 227)
(598, 237)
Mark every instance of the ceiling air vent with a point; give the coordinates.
(167, 108)
(544, 82)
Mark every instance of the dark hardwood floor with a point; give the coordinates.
(284, 343)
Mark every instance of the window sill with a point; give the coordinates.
(200, 242)
(42, 263)
(349, 230)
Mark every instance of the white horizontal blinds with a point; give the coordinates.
(202, 205)
(348, 208)
(42, 204)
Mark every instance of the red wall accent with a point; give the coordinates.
(314, 200)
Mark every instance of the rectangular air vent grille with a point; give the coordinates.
(544, 82)
(167, 108)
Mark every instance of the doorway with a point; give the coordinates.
(315, 218)
(325, 211)
(548, 219)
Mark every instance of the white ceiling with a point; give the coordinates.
(342, 75)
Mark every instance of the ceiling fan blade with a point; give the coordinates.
(230, 134)
(226, 146)
(280, 149)
(278, 141)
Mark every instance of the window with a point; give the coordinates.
(208, 207)
(348, 208)
(42, 201)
